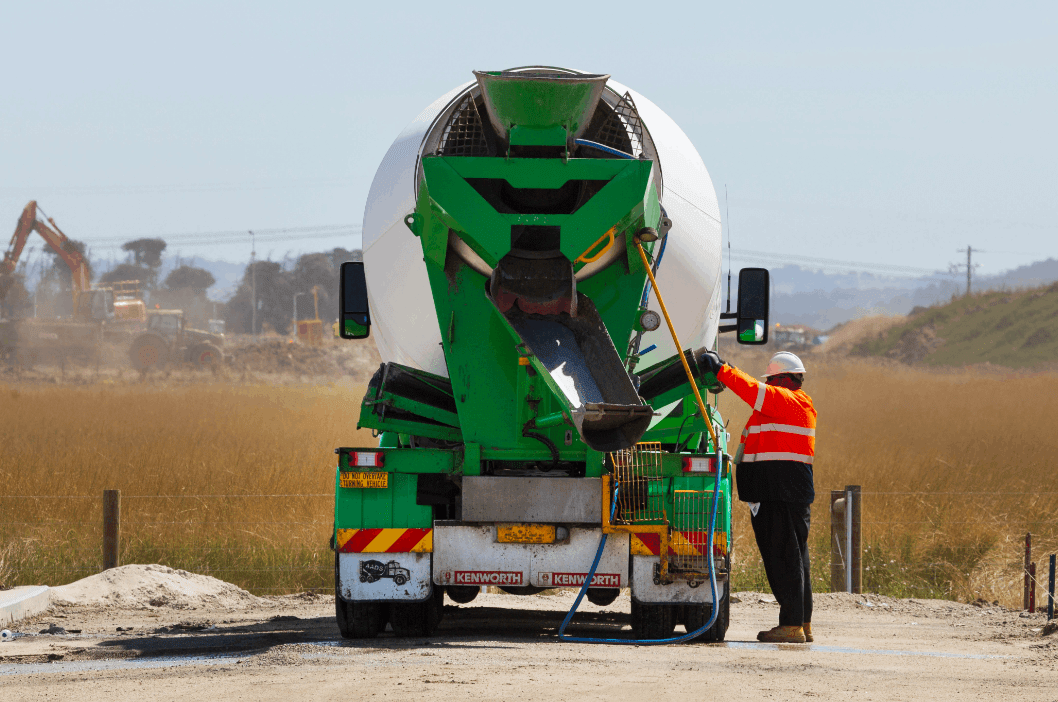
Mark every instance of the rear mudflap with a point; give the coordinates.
(384, 577)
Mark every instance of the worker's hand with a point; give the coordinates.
(711, 362)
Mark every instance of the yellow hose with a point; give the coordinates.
(679, 348)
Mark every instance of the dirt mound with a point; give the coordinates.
(842, 338)
(280, 356)
(141, 586)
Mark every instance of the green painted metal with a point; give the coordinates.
(537, 104)
(500, 391)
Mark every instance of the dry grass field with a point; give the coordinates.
(235, 480)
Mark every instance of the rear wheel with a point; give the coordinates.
(357, 620)
(602, 596)
(417, 618)
(207, 357)
(462, 593)
(148, 353)
(650, 622)
(695, 617)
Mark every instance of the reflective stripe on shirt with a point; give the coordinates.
(785, 428)
(777, 456)
(762, 390)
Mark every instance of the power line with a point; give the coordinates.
(834, 263)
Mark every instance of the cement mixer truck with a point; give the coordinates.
(535, 243)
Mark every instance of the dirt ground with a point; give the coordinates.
(233, 646)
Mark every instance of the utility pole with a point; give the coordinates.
(970, 265)
(253, 283)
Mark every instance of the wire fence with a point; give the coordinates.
(959, 544)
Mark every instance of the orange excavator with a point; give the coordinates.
(127, 304)
(29, 223)
(112, 312)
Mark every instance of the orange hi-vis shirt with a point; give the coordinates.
(783, 424)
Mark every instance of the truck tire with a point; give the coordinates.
(650, 622)
(695, 616)
(602, 596)
(357, 620)
(399, 580)
(207, 357)
(417, 618)
(462, 593)
(148, 353)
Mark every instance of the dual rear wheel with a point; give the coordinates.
(658, 621)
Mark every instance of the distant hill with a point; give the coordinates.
(1013, 329)
(823, 300)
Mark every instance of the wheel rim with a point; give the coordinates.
(205, 358)
(147, 355)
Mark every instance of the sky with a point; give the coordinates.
(882, 134)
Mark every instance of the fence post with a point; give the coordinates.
(1028, 558)
(1032, 588)
(1050, 591)
(854, 539)
(111, 528)
(837, 541)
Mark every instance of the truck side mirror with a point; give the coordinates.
(353, 314)
(752, 315)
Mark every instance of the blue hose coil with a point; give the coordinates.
(712, 580)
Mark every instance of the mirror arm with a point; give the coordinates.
(729, 315)
(725, 328)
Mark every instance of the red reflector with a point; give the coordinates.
(367, 459)
(698, 464)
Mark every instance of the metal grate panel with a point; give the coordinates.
(623, 128)
(464, 135)
(692, 510)
(640, 488)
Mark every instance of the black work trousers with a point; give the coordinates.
(781, 530)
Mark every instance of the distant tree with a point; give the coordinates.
(340, 256)
(275, 290)
(146, 252)
(319, 271)
(126, 271)
(197, 280)
(60, 270)
(15, 302)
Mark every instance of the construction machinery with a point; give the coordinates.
(102, 312)
(169, 340)
(542, 274)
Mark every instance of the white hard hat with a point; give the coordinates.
(784, 362)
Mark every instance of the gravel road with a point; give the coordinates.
(504, 647)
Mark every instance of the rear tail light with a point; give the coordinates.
(367, 459)
(699, 464)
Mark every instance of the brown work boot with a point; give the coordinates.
(808, 632)
(782, 634)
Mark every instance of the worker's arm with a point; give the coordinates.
(768, 399)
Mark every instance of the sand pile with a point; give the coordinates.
(144, 586)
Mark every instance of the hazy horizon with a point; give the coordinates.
(867, 136)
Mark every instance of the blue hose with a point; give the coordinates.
(712, 580)
(602, 147)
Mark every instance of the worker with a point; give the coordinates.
(774, 475)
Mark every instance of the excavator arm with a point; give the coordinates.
(29, 222)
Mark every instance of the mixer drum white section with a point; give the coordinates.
(403, 318)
